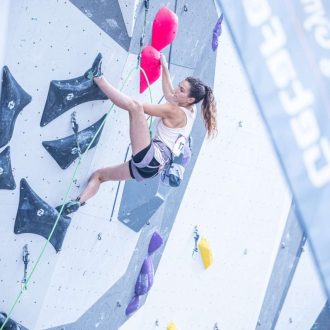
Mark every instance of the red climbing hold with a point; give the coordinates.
(150, 63)
(164, 28)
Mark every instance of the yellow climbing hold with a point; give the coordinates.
(172, 326)
(206, 252)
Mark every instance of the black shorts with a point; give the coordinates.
(144, 164)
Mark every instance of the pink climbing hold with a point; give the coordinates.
(150, 63)
(164, 31)
(164, 28)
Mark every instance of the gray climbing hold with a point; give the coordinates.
(35, 216)
(139, 216)
(141, 200)
(13, 100)
(6, 176)
(65, 150)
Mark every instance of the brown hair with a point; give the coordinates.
(200, 92)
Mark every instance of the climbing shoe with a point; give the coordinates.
(10, 324)
(96, 69)
(69, 207)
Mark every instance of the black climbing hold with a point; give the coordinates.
(10, 324)
(35, 216)
(107, 16)
(66, 94)
(13, 100)
(6, 176)
(65, 150)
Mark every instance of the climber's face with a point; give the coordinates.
(182, 94)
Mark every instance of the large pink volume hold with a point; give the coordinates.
(150, 63)
(164, 28)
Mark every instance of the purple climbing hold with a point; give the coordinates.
(216, 33)
(146, 277)
(186, 155)
(133, 305)
(156, 242)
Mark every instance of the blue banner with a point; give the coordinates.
(285, 49)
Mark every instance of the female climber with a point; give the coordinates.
(175, 119)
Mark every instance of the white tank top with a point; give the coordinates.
(169, 135)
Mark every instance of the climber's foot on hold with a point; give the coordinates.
(70, 207)
(96, 69)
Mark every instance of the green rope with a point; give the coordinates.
(65, 200)
(151, 100)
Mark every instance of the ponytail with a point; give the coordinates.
(209, 111)
(200, 92)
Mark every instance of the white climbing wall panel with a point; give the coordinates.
(58, 49)
(4, 9)
(128, 9)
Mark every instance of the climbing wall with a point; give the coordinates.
(306, 288)
(57, 39)
(52, 42)
(233, 192)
